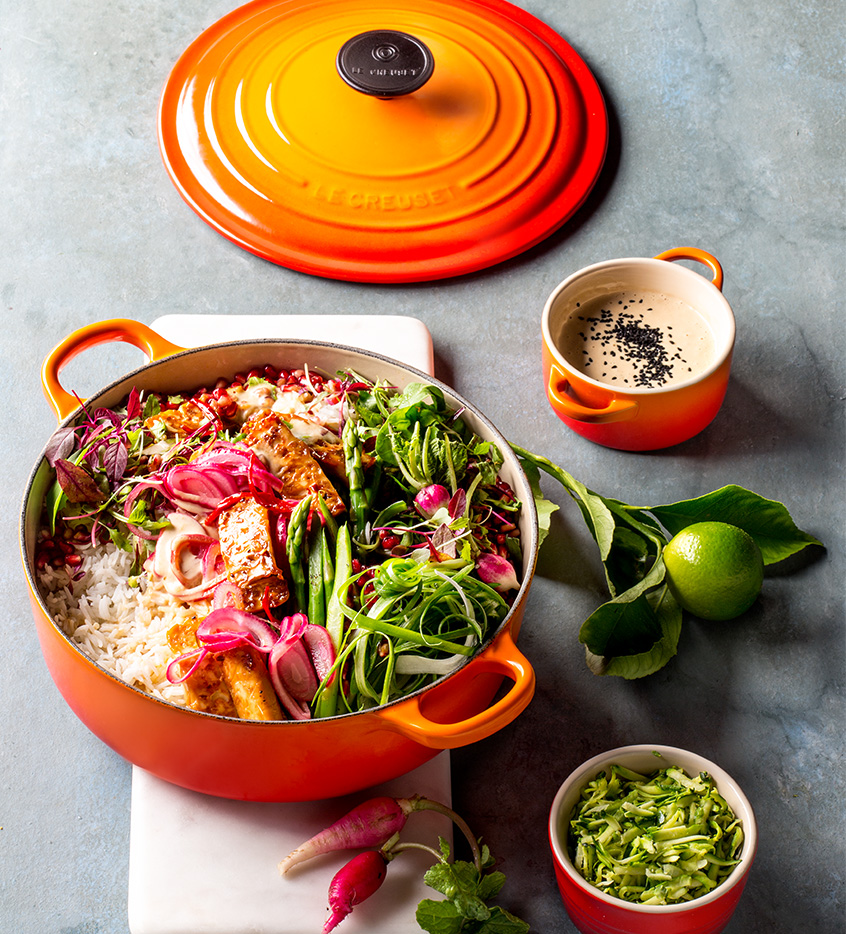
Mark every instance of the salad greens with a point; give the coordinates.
(657, 840)
(407, 571)
(637, 632)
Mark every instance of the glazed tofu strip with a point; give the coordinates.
(185, 420)
(234, 683)
(245, 674)
(205, 688)
(247, 548)
(290, 459)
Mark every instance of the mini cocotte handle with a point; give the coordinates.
(502, 657)
(699, 256)
(616, 410)
(144, 338)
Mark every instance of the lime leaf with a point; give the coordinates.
(766, 520)
(629, 560)
(545, 507)
(621, 627)
(595, 512)
(669, 616)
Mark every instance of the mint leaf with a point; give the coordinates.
(466, 889)
(439, 917)
(500, 922)
(490, 884)
(442, 918)
(459, 881)
(766, 520)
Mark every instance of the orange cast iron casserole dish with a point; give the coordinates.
(285, 760)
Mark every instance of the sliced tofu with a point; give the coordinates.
(234, 683)
(245, 674)
(185, 420)
(290, 459)
(205, 688)
(247, 548)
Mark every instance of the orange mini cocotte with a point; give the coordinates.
(637, 352)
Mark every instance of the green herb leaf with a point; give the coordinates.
(439, 917)
(545, 508)
(54, 502)
(766, 520)
(467, 890)
(637, 632)
(621, 627)
(594, 509)
(639, 664)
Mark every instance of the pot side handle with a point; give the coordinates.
(101, 332)
(502, 657)
(617, 410)
(699, 256)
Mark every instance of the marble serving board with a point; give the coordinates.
(205, 865)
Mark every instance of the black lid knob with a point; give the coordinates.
(385, 63)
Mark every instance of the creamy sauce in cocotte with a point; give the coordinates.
(637, 340)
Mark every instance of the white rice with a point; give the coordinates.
(120, 623)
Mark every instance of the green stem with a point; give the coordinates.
(410, 635)
(316, 595)
(427, 804)
(397, 848)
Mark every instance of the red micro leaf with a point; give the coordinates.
(77, 484)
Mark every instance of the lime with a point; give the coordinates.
(715, 570)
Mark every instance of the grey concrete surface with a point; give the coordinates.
(727, 134)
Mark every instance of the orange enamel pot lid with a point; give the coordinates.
(369, 141)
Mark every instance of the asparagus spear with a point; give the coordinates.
(359, 506)
(316, 593)
(326, 705)
(294, 550)
(329, 521)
